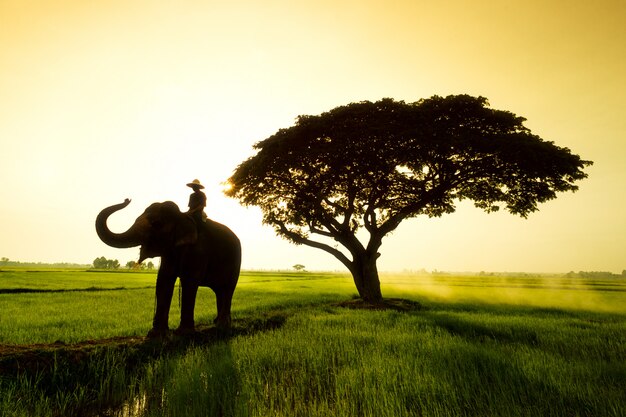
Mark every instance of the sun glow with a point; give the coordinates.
(122, 99)
(226, 186)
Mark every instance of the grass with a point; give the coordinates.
(327, 361)
(479, 346)
(76, 305)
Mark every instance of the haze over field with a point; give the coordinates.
(100, 101)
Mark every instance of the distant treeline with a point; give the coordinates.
(98, 263)
(594, 274)
(571, 274)
(68, 265)
(104, 263)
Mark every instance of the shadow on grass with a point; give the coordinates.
(483, 332)
(396, 304)
(516, 366)
(503, 386)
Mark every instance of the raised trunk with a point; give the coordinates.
(365, 275)
(128, 239)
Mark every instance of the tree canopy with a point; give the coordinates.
(371, 165)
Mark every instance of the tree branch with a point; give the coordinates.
(295, 237)
(320, 232)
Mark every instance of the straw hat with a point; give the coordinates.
(195, 183)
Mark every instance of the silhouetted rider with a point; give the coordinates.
(197, 202)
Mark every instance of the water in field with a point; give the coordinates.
(138, 405)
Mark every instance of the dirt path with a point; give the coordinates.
(16, 350)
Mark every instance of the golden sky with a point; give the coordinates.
(103, 100)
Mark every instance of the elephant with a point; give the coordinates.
(206, 254)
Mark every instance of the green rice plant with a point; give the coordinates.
(186, 385)
(434, 362)
(74, 317)
(71, 280)
(74, 382)
(479, 346)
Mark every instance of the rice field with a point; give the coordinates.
(478, 346)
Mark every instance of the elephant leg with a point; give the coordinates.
(223, 300)
(188, 304)
(164, 292)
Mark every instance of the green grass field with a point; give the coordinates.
(479, 346)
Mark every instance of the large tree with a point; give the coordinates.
(370, 165)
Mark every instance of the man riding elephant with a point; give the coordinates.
(197, 202)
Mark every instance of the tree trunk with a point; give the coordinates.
(365, 274)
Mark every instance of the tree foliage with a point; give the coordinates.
(371, 165)
(104, 263)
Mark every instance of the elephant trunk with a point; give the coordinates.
(127, 239)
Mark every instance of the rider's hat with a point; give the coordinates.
(195, 183)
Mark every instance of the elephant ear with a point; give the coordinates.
(186, 232)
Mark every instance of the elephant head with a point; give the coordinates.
(159, 230)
